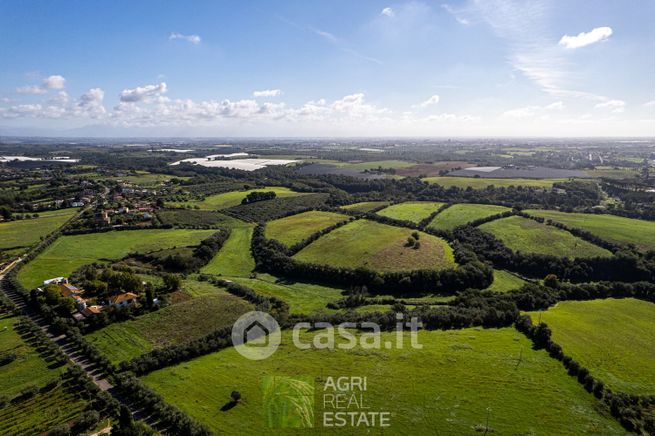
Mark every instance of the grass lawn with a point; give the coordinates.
(364, 206)
(235, 258)
(295, 228)
(413, 211)
(459, 214)
(612, 338)
(23, 233)
(376, 246)
(68, 253)
(29, 368)
(174, 324)
(529, 236)
(505, 281)
(610, 227)
(481, 183)
(233, 198)
(301, 297)
(40, 413)
(444, 388)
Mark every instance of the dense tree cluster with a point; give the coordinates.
(258, 196)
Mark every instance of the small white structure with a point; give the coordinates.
(55, 280)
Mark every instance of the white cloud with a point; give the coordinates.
(533, 111)
(193, 39)
(142, 92)
(430, 101)
(586, 38)
(458, 15)
(325, 35)
(650, 103)
(50, 82)
(387, 12)
(267, 93)
(614, 106)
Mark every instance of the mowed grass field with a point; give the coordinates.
(295, 228)
(29, 368)
(24, 233)
(612, 338)
(413, 211)
(610, 227)
(529, 236)
(444, 388)
(505, 281)
(364, 206)
(234, 258)
(68, 253)
(481, 183)
(233, 198)
(301, 297)
(459, 214)
(379, 247)
(174, 324)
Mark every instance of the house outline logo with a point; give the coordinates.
(256, 335)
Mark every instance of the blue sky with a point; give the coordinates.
(328, 68)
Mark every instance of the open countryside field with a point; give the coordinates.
(234, 258)
(612, 338)
(505, 281)
(528, 236)
(365, 206)
(481, 183)
(29, 368)
(459, 214)
(445, 387)
(174, 324)
(609, 227)
(361, 166)
(193, 217)
(68, 253)
(376, 246)
(413, 211)
(233, 198)
(23, 233)
(295, 228)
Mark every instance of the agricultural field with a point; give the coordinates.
(233, 198)
(459, 214)
(29, 368)
(68, 253)
(196, 218)
(612, 228)
(301, 297)
(296, 228)
(146, 179)
(365, 206)
(24, 233)
(528, 236)
(456, 380)
(612, 338)
(481, 183)
(414, 211)
(234, 258)
(168, 326)
(374, 165)
(505, 281)
(379, 247)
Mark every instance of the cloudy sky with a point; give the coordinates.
(328, 68)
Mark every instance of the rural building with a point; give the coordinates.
(121, 300)
(68, 290)
(55, 280)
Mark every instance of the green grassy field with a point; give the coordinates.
(29, 368)
(446, 387)
(610, 227)
(380, 247)
(233, 198)
(413, 211)
(41, 412)
(505, 281)
(296, 228)
(301, 297)
(67, 253)
(612, 338)
(459, 214)
(529, 236)
(481, 183)
(146, 179)
(23, 233)
(234, 258)
(175, 324)
(361, 166)
(193, 217)
(364, 206)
